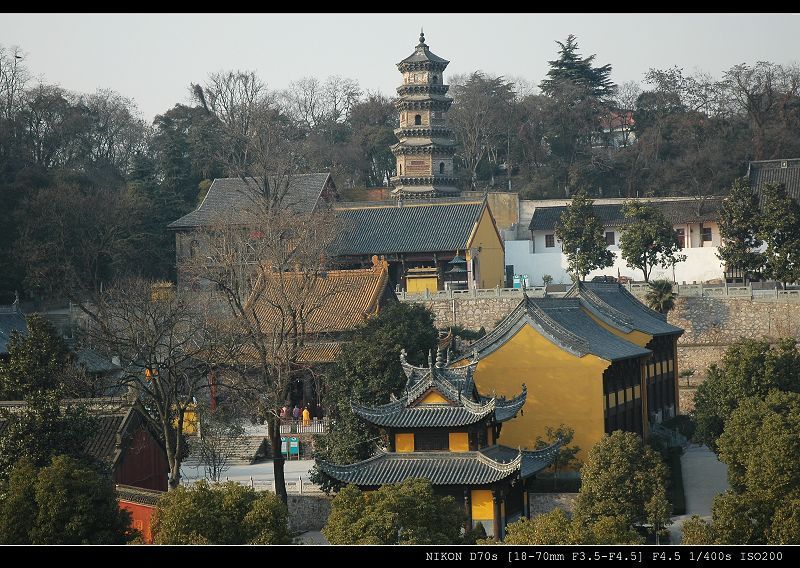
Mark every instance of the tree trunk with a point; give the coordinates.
(277, 459)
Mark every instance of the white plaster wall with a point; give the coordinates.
(701, 264)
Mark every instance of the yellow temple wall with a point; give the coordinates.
(419, 285)
(459, 442)
(562, 389)
(433, 397)
(491, 256)
(404, 443)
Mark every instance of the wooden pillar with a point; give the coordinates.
(526, 505)
(467, 510)
(496, 498)
(403, 273)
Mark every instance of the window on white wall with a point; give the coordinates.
(610, 238)
(549, 241)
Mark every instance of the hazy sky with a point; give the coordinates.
(152, 58)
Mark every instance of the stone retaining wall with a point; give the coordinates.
(541, 503)
(308, 512)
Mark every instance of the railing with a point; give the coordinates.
(723, 291)
(446, 295)
(638, 289)
(298, 486)
(314, 426)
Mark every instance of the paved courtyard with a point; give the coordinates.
(261, 473)
(704, 477)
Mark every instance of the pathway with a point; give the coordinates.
(704, 477)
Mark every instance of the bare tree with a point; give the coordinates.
(219, 431)
(13, 78)
(165, 344)
(266, 264)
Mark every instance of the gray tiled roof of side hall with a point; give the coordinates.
(770, 171)
(565, 324)
(407, 228)
(229, 195)
(612, 303)
(11, 319)
(676, 212)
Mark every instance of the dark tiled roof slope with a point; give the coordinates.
(138, 495)
(409, 228)
(565, 324)
(617, 307)
(676, 212)
(443, 468)
(227, 196)
(771, 171)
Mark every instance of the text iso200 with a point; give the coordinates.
(765, 555)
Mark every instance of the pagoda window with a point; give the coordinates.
(418, 120)
(434, 78)
(441, 167)
(401, 169)
(431, 441)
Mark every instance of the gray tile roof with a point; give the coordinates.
(563, 323)
(483, 467)
(422, 54)
(11, 319)
(138, 495)
(676, 212)
(771, 171)
(466, 406)
(617, 307)
(114, 422)
(409, 228)
(228, 196)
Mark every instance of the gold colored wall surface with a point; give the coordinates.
(419, 285)
(491, 256)
(482, 505)
(562, 389)
(404, 443)
(459, 442)
(433, 397)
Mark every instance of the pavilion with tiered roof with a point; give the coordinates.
(442, 429)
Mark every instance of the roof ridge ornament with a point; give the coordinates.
(421, 38)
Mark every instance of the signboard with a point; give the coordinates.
(294, 446)
(284, 446)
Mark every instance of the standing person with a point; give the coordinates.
(306, 417)
(296, 412)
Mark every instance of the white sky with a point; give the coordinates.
(152, 58)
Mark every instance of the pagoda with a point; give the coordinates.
(425, 149)
(442, 429)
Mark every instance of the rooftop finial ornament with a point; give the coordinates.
(421, 38)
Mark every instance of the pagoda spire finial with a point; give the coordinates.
(421, 38)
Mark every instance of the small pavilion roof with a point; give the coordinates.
(483, 467)
(423, 54)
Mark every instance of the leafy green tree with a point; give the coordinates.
(761, 446)
(648, 240)
(368, 371)
(660, 296)
(38, 362)
(748, 368)
(780, 230)
(220, 514)
(405, 513)
(739, 229)
(570, 66)
(41, 430)
(620, 478)
(567, 455)
(65, 502)
(582, 238)
(556, 527)
(785, 528)
(697, 531)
